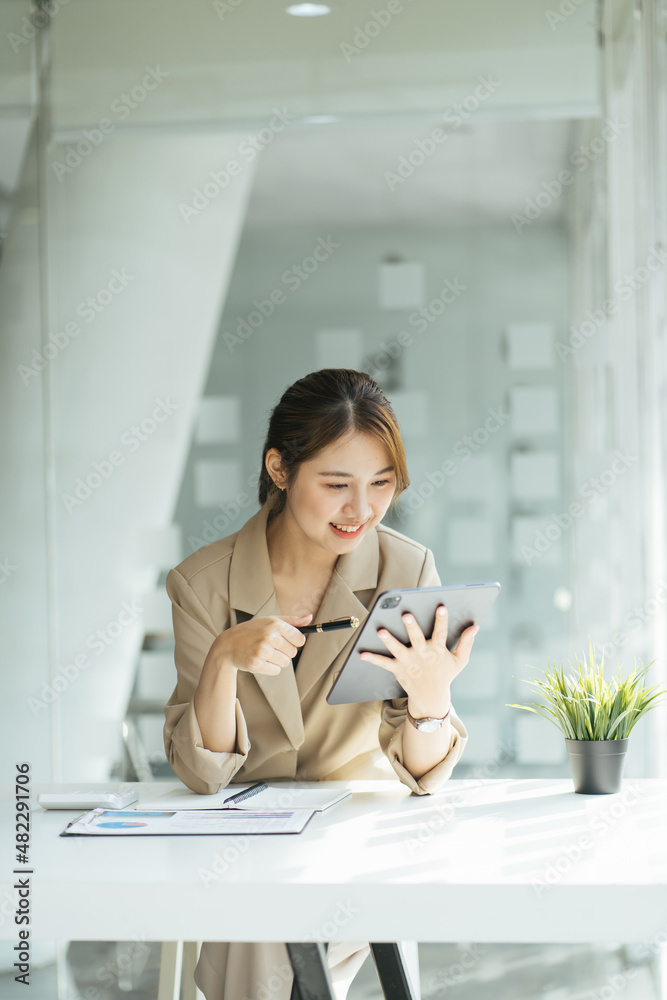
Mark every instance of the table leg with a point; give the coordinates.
(171, 960)
(189, 989)
(311, 972)
(393, 972)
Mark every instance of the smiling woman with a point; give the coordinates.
(333, 463)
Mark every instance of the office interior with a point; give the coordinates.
(201, 202)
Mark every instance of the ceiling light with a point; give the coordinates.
(308, 9)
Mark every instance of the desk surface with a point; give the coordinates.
(492, 860)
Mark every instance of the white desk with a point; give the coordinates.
(484, 861)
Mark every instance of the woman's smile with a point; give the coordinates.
(347, 531)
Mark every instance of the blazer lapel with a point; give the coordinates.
(251, 591)
(354, 571)
(320, 650)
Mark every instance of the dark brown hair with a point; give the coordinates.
(318, 409)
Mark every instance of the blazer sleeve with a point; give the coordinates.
(204, 771)
(394, 721)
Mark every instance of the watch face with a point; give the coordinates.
(429, 726)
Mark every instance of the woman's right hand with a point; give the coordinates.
(262, 645)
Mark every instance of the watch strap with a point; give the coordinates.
(427, 718)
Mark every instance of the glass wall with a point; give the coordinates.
(227, 204)
(441, 304)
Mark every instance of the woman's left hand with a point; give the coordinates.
(426, 669)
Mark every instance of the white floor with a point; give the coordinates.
(106, 971)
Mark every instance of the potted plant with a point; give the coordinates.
(595, 716)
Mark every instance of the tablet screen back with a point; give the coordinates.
(360, 680)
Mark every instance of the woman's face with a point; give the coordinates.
(348, 485)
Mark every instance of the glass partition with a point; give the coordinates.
(230, 202)
(432, 289)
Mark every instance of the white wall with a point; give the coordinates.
(140, 362)
(136, 357)
(25, 616)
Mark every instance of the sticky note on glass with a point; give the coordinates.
(530, 345)
(534, 409)
(401, 285)
(535, 475)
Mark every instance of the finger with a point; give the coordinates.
(279, 659)
(283, 659)
(441, 626)
(464, 648)
(381, 661)
(290, 631)
(274, 642)
(261, 663)
(393, 644)
(412, 627)
(289, 646)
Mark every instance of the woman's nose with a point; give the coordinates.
(358, 507)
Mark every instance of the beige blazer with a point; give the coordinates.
(285, 728)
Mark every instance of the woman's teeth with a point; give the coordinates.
(347, 527)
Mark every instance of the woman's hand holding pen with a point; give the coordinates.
(263, 645)
(426, 669)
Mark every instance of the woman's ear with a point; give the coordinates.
(274, 467)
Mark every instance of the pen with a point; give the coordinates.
(259, 786)
(329, 626)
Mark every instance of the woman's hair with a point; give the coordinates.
(318, 409)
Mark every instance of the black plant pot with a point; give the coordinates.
(597, 765)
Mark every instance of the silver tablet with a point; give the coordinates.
(359, 680)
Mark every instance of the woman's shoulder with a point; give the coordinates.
(395, 545)
(209, 559)
(404, 562)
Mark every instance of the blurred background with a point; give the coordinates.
(202, 202)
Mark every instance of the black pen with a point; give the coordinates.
(259, 786)
(330, 626)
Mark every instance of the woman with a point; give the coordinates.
(333, 463)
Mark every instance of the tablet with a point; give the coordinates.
(359, 680)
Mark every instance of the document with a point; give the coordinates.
(189, 822)
(280, 796)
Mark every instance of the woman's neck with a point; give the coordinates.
(292, 553)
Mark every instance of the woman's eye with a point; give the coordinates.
(340, 486)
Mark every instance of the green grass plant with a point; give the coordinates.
(585, 706)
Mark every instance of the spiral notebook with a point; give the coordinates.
(279, 796)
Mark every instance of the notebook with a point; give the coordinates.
(280, 796)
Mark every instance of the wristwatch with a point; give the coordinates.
(428, 724)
